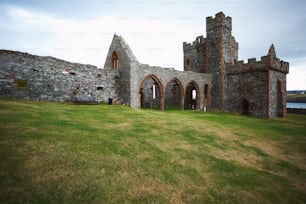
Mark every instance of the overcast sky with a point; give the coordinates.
(82, 30)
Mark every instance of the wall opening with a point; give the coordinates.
(186, 63)
(115, 60)
(192, 96)
(100, 88)
(154, 91)
(174, 95)
(151, 93)
(245, 109)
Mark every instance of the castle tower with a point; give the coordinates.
(221, 48)
(194, 55)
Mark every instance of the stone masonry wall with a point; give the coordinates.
(256, 88)
(261, 83)
(251, 87)
(221, 48)
(48, 78)
(194, 55)
(166, 75)
(126, 61)
(277, 94)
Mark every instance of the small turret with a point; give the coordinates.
(271, 51)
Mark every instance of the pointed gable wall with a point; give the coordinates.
(121, 58)
(124, 52)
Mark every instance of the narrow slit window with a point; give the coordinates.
(154, 91)
(194, 94)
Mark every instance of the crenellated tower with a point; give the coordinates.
(221, 48)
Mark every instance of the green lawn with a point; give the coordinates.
(64, 153)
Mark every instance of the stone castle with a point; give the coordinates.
(213, 78)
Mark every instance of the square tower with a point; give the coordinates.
(221, 48)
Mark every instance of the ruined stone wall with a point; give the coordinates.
(52, 79)
(262, 83)
(250, 86)
(277, 94)
(166, 75)
(127, 64)
(256, 88)
(194, 55)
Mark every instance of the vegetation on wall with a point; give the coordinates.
(22, 84)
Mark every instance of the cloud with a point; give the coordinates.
(26, 31)
(297, 75)
(154, 38)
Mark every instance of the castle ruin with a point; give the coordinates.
(213, 78)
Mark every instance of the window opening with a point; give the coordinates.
(115, 60)
(194, 94)
(154, 91)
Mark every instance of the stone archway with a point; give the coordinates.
(192, 96)
(174, 95)
(151, 93)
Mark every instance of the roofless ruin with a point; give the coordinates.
(213, 77)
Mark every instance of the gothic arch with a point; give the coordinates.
(146, 95)
(115, 60)
(174, 94)
(192, 101)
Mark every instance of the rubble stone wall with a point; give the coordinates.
(48, 78)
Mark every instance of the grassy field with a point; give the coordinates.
(62, 153)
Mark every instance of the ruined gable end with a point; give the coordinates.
(119, 54)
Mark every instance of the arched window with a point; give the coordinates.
(187, 62)
(115, 60)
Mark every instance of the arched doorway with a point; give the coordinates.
(151, 93)
(115, 60)
(244, 107)
(174, 95)
(192, 96)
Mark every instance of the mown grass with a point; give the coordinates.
(62, 153)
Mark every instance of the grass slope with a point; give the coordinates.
(59, 153)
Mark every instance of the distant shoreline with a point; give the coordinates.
(296, 98)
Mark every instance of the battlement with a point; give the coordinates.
(219, 20)
(200, 40)
(266, 63)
